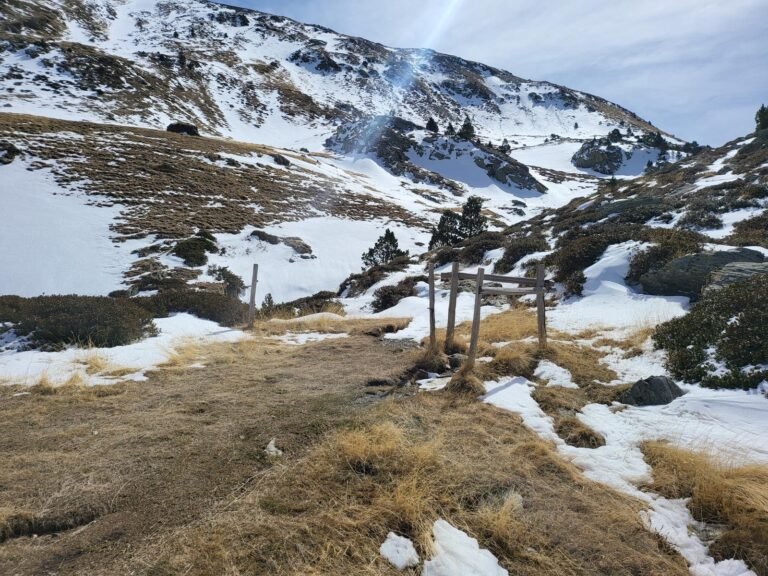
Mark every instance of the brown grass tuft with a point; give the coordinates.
(719, 492)
(576, 433)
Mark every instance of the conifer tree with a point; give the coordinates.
(447, 231)
(384, 250)
(467, 131)
(472, 221)
(450, 131)
(432, 125)
(761, 118)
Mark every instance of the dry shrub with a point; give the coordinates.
(432, 360)
(719, 492)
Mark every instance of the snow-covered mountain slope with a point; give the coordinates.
(306, 134)
(262, 78)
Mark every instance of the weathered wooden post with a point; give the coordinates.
(432, 336)
(448, 347)
(252, 303)
(540, 309)
(475, 321)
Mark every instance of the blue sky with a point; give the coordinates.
(696, 68)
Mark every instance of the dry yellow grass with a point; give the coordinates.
(511, 325)
(583, 362)
(333, 324)
(719, 492)
(401, 467)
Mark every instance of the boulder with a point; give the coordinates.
(281, 160)
(8, 152)
(652, 391)
(734, 272)
(183, 128)
(599, 155)
(687, 275)
(456, 360)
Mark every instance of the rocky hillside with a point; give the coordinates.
(257, 77)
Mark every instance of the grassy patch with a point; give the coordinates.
(400, 468)
(719, 493)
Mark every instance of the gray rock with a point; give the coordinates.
(651, 391)
(456, 360)
(734, 272)
(599, 155)
(687, 275)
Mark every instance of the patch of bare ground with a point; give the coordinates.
(170, 185)
(720, 492)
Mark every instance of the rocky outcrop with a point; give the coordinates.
(734, 272)
(599, 155)
(687, 275)
(183, 128)
(8, 152)
(653, 391)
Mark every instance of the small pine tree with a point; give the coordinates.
(467, 131)
(472, 221)
(575, 125)
(450, 131)
(761, 118)
(268, 303)
(447, 232)
(649, 165)
(384, 250)
(432, 125)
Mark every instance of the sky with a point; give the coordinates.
(695, 68)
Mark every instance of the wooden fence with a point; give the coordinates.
(535, 286)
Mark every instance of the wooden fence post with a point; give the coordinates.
(448, 347)
(252, 303)
(475, 320)
(432, 336)
(540, 309)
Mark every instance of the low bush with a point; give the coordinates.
(751, 232)
(194, 250)
(233, 284)
(700, 219)
(518, 248)
(582, 247)
(387, 296)
(722, 338)
(356, 284)
(213, 306)
(318, 302)
(55, 321)
(473, 249)
(671, 244)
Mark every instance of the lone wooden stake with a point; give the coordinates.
(475, 320)
(252, 303)
(448, 348)
(432, 336)
(541, 312)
